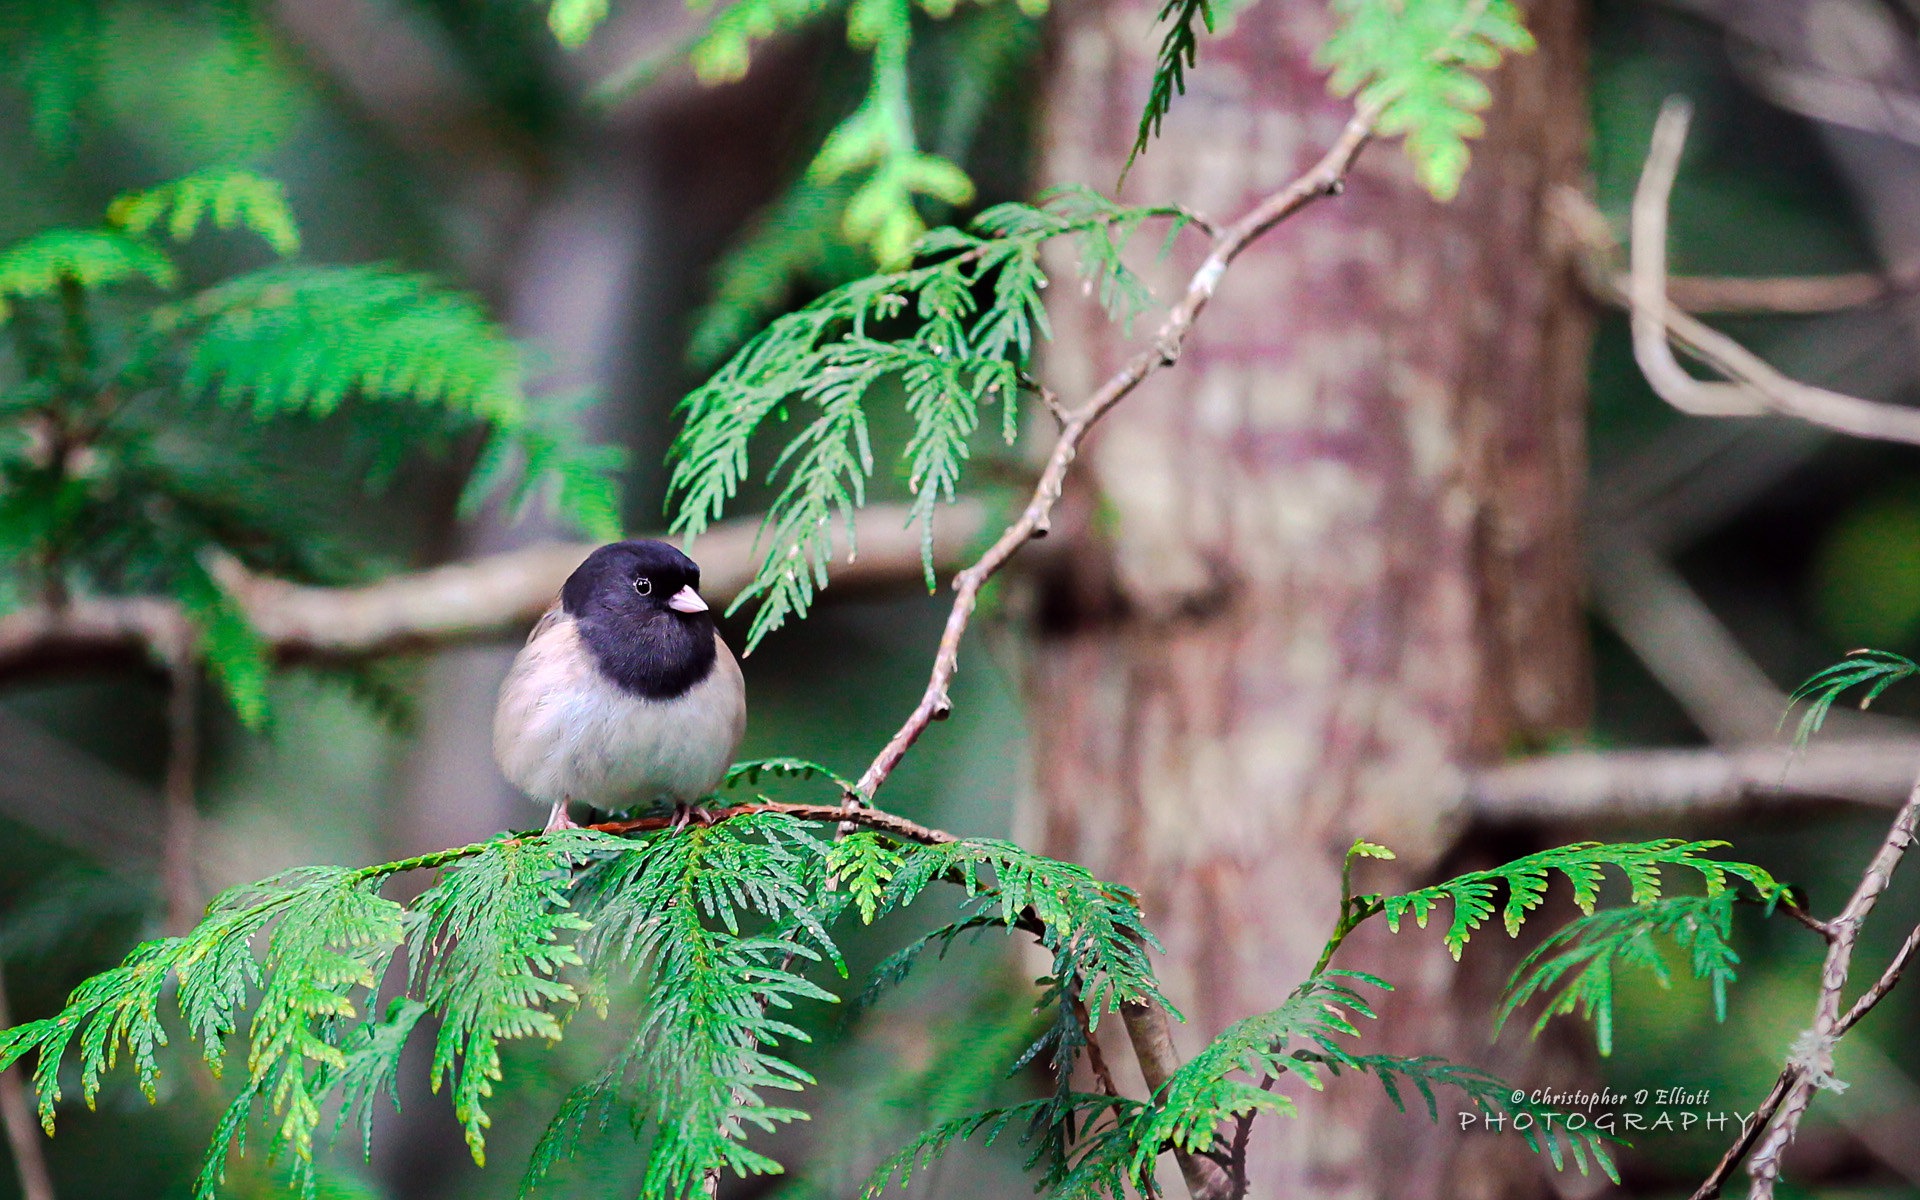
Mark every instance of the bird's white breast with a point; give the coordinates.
(563, 731)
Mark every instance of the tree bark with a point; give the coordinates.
(1325, 563)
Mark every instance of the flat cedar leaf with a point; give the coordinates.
(228, 641)
(304, 338)
(88, 259)
(228, 197)
(1415, 63)
(1582, 864)
(1880, 669)
(1575, 969)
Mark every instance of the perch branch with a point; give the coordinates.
(1810, 1065)
(871, 818)
(1324, 178)
(1755, 386)
(463, 601)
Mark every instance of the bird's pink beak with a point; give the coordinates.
(687, 600)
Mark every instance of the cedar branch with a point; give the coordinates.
(1325, 178)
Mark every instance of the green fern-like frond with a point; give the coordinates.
(704, 1056)
(330, 945)
(863, 862)
(306, 952)
(1878, 669)
(1583, 864)
(1188, 1110)
(86, 259)
(304, 338)
(1094, 931)
(486, 949)
(987, 1125)
(1575, 968)
(229, 198)
(372, 1065)
(753, 770)
(1094, 928)
(233, 649)
(957, 354)
(1179, 50)
(1417, 64)
(1493, 1098)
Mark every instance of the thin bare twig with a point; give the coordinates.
(1883, 985)
(1747, 295)
(1324, 178)
(1785, 295)
(1754, 387)
(1749, 1134)
(1811, 1064)
(1152, 1039)
(870, 818)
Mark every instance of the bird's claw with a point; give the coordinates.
(689, 814)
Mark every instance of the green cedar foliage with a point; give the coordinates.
(1415, 61)
(956, 334)
(131, 424)
(862, 198)
(1581, 959)
(725, 930)
(1584, 866)
(1878, 669)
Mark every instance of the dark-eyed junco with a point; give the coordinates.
(623, 695)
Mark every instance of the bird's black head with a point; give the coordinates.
(639, 611)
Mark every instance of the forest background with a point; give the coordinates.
(630, 219)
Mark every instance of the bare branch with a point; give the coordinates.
(1634, 786)
(487, 597)
(1811, 1064)
(1883, 985)
(1152, 1039)
(1746, 295)
(1681, 643)
(871, 818)
(1756, 387)
(1789, 295)
(1324, 178)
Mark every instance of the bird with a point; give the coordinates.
(625, 695)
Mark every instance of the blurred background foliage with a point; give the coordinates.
(631, 223)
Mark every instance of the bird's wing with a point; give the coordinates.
(546, 622)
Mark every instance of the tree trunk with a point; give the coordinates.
(1325, 561)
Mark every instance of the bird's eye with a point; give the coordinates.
(643, 585)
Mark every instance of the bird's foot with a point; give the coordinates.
(558, 819)
(685, 814)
